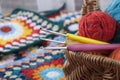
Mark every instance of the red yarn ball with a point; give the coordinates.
(97, 25)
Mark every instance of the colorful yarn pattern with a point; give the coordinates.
(17, 33)
(5, 59)
(22, 29)
(97, 25)
(36, 67)
(71, 23)
(42, 21)
(113, 9)
(70, 19)
(49, 71)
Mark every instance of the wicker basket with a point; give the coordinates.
(90, 66)
(89, 6)
(83, 66)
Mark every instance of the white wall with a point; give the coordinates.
(44, 5)
(70, 5)
(10, 5)
(55, 4)
(36, 5)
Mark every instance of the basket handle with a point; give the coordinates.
(89, 6)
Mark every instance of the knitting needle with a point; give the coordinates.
(80, 39)
(87, 47)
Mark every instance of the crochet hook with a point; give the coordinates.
(88, 47)
(80, 39)
(52, 40)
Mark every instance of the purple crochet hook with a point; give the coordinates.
(88, 47)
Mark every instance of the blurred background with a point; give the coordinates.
(39, 5)
(8, 6)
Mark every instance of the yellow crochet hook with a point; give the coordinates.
(84, 39)
(80, 39)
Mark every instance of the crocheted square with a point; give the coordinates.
(70, 19)
(47, 66)
(22, 29)
(5, 59)
(71, 22)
